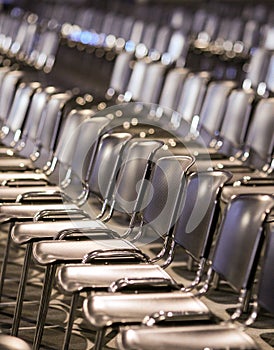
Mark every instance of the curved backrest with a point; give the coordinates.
(89, 133)
(172, 87)
(66, 144)
(162, 40)
(18, 113)
(260, 135)
(134, 165)
(104, 166)
(199, 212)
(137, 77)
(49, 127)
(213, 109)
(30, 132)
(240, 238)
(166, 185)
(266, 282)
(258, 67)
(152, 83)
(121, 72)
(236, 119)
(178, 47)
(192, 95)
(8, 89)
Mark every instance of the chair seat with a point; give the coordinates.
(102, 310)
(185, 338)
(11, 193)
(25, 232)
(47, 252)
(8, 342)
(27, 211)
(15, 164)
(22, 176)
(76, 277)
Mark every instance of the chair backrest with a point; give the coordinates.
(18, 113)
(266, 281)
(172, 87)
(257, 67)
(213, 109)
(161, 41)
(8, 89)
(240, 239)
(137, 77)
(166, 186)
(85, 141)
(192, 95)
(199, 212)
(259, 141)
(49, 128)
(67, 140)
(121, 72)
(236, 119)
(152, 83)
(135, 162)
(106, 162)
(26, 145)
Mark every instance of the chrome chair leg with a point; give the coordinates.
(5, 261)
(43, 308)
(73, 306)
(21, 290)
(99, 339)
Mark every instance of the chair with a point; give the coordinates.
(12, 129)
(44, 142)
(121, 248)
(196, 337)
(97, 184)
(73, 169)
(105, 165)
(255, 159)
(26, 143)
(214, 181)
(110, 309)
(8, 88)
(201, 188)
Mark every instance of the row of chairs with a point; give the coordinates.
(100, 161)
(119, 109)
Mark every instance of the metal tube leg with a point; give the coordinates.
(21, 291)
(99, 339)
(73, 306)
(43, 308)
(5, 261)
